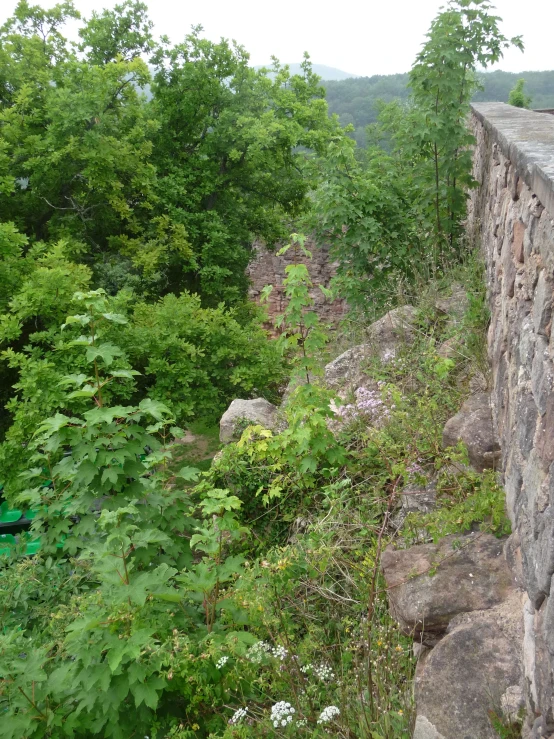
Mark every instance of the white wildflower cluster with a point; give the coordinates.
(328, 714)
(301, 722)
(221, 662)
(237, 717)
(281, 714)
(324, 672)
(257, 651)
(279, 652)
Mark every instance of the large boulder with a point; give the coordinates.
(475, 671)
(474, 426)
(258, 411)
(395, 329)
(385, 337)
(347, 371)
(429, 584)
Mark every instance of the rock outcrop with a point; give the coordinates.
(258, 411)
(385, 338)
(269, 269)
(472, 675)
(473, 426)
(459, 597)
(429, 584)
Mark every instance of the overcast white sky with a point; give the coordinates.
(363, 37)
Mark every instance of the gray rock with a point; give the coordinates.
(455, 305)
(473, 425)
(470, 573)
(346, 372)
(542, 304)
(385, 338)
(424, 729)
(450, 348)
(257, 411)
(394, 330)
(476, 668)
(415, 499)
(418, 499)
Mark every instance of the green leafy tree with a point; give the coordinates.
(366, 206)
(517, 96)
(464, 36)
(163, 181)
(231, 153)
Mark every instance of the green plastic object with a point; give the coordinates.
(33, 547)
(7, 541)
(9, 515)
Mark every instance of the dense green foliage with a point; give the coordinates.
(518, 97)
(392, 215)
(356, 101)
(190, 605)
(160, 194)
(154, 198)
(245, 601)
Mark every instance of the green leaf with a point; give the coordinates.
(115, 317)
(107, 352)
(146, 693)
(125, 373)
(190, 474)
(156, 409)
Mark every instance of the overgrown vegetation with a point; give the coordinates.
(243, 600)
(517, 96)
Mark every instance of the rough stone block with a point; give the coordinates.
(257, 411)
(526, 423)
(517, 244)
(429, 584)
(542, 374)
(473, 426)
(475, 669)
(542, 304)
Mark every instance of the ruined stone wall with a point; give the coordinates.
(511, 216)
(269, 269)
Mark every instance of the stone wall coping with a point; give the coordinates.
(526, 138)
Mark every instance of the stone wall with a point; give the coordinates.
(511, 216)
(269, 269)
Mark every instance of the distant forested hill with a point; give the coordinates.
(325, 72)
(354, 99)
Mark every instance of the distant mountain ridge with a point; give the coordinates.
(354, 99)
(331, 74)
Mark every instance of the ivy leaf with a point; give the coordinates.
(146, 693)
(86, 392)
(111, 474)
(77, 380)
